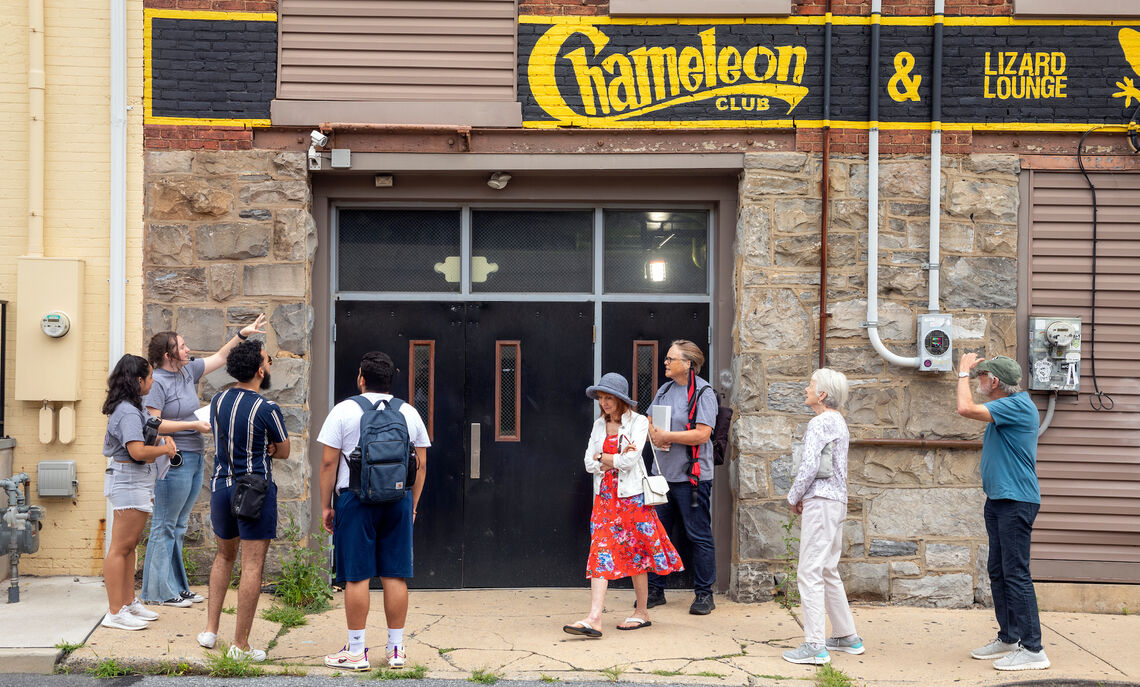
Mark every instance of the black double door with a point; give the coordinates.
(507, 502)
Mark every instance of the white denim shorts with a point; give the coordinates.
(130, 486)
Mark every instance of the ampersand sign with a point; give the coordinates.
(904, 63)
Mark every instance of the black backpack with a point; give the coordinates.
(382, 467)
(720, 431)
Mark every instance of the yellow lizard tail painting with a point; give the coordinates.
(1130, 42)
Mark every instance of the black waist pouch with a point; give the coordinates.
(250, 491)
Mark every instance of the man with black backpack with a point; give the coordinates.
(372, 472)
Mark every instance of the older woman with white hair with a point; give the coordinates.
(820, 495)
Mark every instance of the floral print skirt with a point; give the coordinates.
(626, 538)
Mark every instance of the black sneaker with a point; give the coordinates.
(656, 598)
(703, 604)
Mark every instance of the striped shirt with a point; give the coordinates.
(244, 424)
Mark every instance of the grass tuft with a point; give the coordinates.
(109, 668)
(170, 668)
(68, 648)
(412, 672)
(484, 676)
(666, 673)
(543, 677)
(613, 673)
(220, 664)
(286, 616)
(829, 676)
(710, 673)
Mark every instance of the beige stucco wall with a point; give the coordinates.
(77, 221)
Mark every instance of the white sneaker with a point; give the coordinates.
(254, 655)
(1023, 659)
(995, 649)
(397, 657)
(207, 639)
(123, 620)
(348, 661)
(141, 612)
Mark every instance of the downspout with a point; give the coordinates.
(117, 261)
(36, 85)
(873, 203)
(825, 186)
(935, 157)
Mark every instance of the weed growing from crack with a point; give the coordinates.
(220, 664)
(68, 647)
(777, 677)
(412, 672)
(666, 673)
(709, 673)
(109, 668)
(484, 676)
(613, 673)
(229, 610)
(829, 676)
(169, 668)
(446, 651)
(788, 590)
(543, 677)
(287, 617)
(304, 580)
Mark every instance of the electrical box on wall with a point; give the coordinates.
(49, 341)
(1055, 353)
(934, 349)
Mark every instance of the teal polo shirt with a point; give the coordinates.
(1009, 450)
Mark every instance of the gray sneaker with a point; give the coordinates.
(815, 654)
(995, 649)
(1023, 659)
(851, 644)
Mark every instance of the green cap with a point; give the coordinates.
(1005, 369)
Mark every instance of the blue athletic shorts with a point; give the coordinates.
(372, 540)
(228, 526)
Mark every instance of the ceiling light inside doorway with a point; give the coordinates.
(655, 270)
(499, 180)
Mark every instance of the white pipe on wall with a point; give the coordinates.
(37, 83)
(935, 195)
(118, 239)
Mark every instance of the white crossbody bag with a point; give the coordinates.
(654, 488)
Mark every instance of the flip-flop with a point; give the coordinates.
(582, 629)
(640, 624)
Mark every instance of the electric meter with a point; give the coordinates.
(55, 324)
(934, 343)
(1055, 353)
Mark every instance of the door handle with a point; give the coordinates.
(476, 432)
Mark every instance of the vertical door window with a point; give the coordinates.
(398, 250)
(656, 252)
(532, 251)
(645, 368)
(421, 381)
(508, 390)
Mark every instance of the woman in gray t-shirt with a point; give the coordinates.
(129, 486)
(174, 398)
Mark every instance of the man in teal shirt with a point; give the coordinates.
(1009, 480)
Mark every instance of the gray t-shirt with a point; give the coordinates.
(124, 425)
(175, 395)
(675, 461)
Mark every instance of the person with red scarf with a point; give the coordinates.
(685, 454)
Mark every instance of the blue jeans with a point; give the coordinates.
(1009, 525)
(698, 529)
(164, 575)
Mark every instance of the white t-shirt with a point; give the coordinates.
(342, 430)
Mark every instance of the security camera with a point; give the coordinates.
(319, 140)
(314, 158)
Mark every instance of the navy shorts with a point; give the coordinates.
(228, 526)
(372, 540)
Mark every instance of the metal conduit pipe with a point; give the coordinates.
(462, 131)
(37, 84)
(919, 443)
(873, 203)
(935, 159)
(825, 186)
(1048, 414)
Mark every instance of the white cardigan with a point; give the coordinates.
(630, 467)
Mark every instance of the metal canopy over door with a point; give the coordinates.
(1088, 462)
(492, 317)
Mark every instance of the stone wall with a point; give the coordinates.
(914, 532)
(229, 235)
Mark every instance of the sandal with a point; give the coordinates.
(582, 629)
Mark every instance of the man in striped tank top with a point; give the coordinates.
(249, 431)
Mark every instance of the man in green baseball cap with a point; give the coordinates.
(1009, 480)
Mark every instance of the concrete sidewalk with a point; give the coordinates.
(518, 634)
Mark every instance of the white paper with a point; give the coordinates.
(203, 413)
(662, 416)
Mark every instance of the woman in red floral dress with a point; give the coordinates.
(626, 538)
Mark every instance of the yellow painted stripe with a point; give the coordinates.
(834, 124)
(154, 13)
(148, 81)
(842, 20)
(191, 121)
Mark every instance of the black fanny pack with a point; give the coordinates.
(250, 492)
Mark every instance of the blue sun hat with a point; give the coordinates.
(614, 384)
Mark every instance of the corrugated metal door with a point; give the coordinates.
(1089, 461)
(428, 51)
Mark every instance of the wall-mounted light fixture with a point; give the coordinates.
(499, 180)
